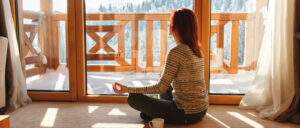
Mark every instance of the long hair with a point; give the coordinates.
(184, 21)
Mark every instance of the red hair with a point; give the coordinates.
(184, 22)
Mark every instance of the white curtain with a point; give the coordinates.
(17, 94)
(273, 87)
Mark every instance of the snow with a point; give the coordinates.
(101, 83)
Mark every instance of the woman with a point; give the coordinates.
(184, 70)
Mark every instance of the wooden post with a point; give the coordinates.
(41, 40)
(134, 42)
(234, 47)
(149, 43)
(220, 44)
(55, 45)
(46, 7)
(202, 10)
(121, 45)
(163, 41)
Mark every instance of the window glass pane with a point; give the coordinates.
(235, 43)
(45, 44)
(127, 41)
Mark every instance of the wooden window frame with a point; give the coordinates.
(70, 95)
(202, 9)
(76, 38)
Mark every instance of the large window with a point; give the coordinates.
(45, 53)
(127, 41)
(235, 43)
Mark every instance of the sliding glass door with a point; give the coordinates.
(46, 52)
(75, 50)
(236, 33)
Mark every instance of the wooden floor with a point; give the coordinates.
(98, 115)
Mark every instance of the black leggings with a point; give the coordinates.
(162, 108)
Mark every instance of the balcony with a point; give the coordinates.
(42, 54)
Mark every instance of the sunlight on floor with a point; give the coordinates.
(219, 121)
(117, 125)
(93, 108)
(49, 117)
(252, 114)
(116, 112)
(246, 120)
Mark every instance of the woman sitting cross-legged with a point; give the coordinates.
(183, 94)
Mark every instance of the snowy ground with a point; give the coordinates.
(100, 83)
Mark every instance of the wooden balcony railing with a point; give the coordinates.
(217, 56)
(34, 55)
(119, 30)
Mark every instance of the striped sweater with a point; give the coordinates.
(185, 72)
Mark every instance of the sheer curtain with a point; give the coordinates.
(15, 81)
(273, 87)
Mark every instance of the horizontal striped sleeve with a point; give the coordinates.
(168, 75)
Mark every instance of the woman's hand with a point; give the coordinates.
(119, 88)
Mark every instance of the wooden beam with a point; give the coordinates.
(55, 45)
(28, 43)
(101, 42)
(33, 59)
(203, 13)
(77, 60)
(32, 36)
(234, 47)
(213, 28)
(47, 8)
(121, 43)
(97, 57)
(76, 27)
(221, 99)
(103, 28)
(59, 17)
(149, 43)
(41, 36)
(128, 17)
(50, 96)
(35, 71)
(31, 27)
(163, 41)
(229, 16)
(153, 16)
(34, 15)
(220, 43)
(134, 42)
(220, 34)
